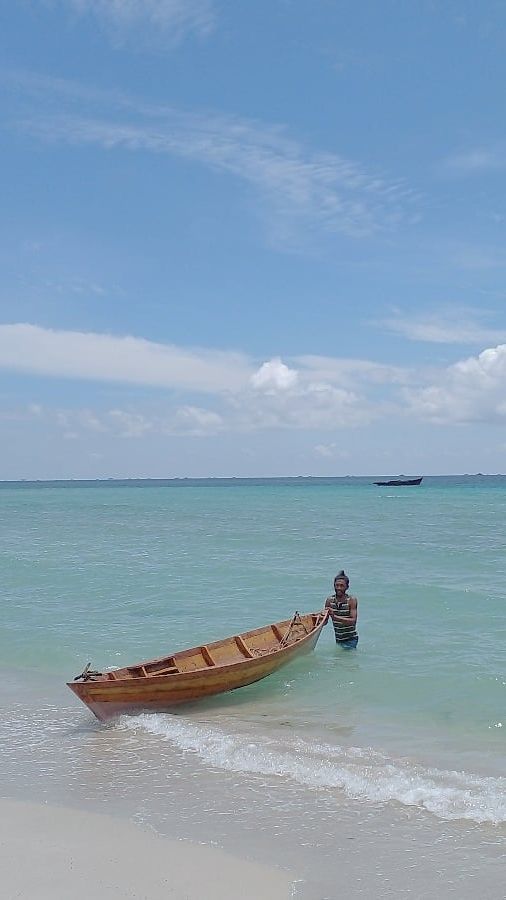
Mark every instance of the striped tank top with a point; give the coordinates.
(342, 608)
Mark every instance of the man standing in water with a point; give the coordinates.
(343, 611)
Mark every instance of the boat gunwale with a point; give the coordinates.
(120, 682)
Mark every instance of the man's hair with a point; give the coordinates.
(342, 576)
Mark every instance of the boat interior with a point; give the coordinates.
(240, 647)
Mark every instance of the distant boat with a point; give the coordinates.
(225, 665)
(400, 482)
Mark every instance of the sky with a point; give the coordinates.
(252, 238)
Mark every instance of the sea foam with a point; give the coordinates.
(359, 773)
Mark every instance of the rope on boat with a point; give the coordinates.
(87, 674)
(295, 622)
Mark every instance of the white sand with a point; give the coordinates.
(50, 853)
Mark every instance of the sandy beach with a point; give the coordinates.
(52, 853)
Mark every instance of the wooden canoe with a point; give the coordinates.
(203, 671)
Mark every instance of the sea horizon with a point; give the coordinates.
(160, 481)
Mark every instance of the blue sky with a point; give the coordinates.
(252, 238)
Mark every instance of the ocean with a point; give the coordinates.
(382, 769)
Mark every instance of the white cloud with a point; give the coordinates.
(131, 360)
(331, 451)
(125, 423)
(126, 18)
(325, 450)
(349, 372)
(472, 390)
(299, 186)
(323, 393)
(195, 420)
(273, 395)
(131, 425)
(282, 397)
(274, 376)
(302, 406)
(299, 405)
(455, 327)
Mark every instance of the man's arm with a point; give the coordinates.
(328, 609)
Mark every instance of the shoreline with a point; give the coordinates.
(80, 854)
(126, 814)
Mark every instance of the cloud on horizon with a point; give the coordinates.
(470, 391)
(246, 396)
(310, 393)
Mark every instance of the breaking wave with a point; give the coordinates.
(362, 774)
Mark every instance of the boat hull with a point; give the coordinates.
(111, 698)
(400, 482)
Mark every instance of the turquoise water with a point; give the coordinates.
(113, 573)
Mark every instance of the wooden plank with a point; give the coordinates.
(137, 671)
(160, 665)
(170, 670)
(207, 656)
(243, 647)
(277, 632)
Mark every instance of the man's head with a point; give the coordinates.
(341, 582)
